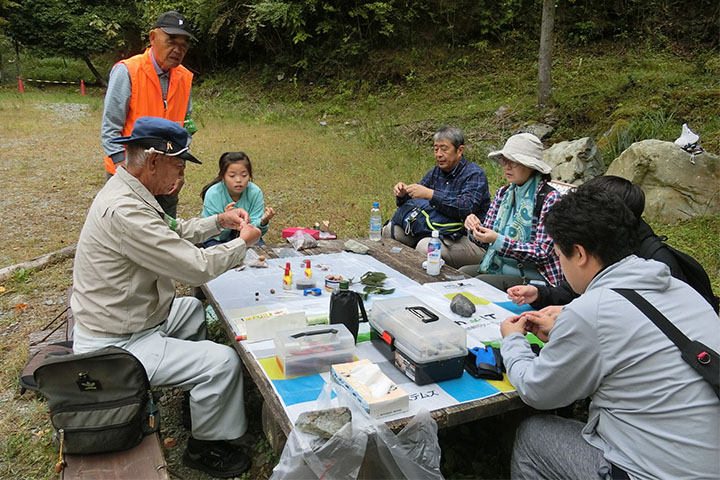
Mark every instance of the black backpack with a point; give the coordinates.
(418, 218)
(694, 273)
(99, 401)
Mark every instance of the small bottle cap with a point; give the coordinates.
(376, 205)
(344, 285)
(435, 234)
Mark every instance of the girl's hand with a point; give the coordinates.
(269, 213)
(229, 206)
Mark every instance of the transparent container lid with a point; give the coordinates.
(420, 332)
(313, 341)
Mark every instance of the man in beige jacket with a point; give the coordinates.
(128, 255)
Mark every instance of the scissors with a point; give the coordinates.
(312, 291)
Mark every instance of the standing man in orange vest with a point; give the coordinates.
(155, 84)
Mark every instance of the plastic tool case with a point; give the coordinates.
(423, 344)
(308, 350)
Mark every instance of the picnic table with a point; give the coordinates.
(276, 423)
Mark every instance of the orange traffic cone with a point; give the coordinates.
(21, 89)
(82, 88)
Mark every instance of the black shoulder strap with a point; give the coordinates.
(540, 198)
(672, 332)
(650, 245)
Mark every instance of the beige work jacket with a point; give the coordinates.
(128, 256)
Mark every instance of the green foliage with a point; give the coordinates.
(21, 276)
(650, 124)
(70, 28)
(55, 68)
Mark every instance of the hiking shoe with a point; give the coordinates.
(246, 442)
(215, 457)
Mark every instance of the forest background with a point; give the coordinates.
(334, 101)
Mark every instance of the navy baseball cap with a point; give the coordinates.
(162, 135)
(173, 23)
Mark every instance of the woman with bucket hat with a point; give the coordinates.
(519, 250)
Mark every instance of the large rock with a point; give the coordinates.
(575, 161)
(540, 130)
(677, 185)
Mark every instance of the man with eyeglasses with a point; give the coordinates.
(455, 187)
(153, 83)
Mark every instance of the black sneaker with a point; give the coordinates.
(216, 458)
(246, 442)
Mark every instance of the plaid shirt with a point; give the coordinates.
(458, 193)
(539, 250)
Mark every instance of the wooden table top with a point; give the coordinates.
(408, 262)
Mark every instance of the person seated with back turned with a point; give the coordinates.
(519, 250)
(651, 414)
(456, 188)
(548, 300)
(128, 254)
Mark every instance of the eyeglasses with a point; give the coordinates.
(508, 163)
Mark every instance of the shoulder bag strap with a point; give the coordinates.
(672, 332)
(362, 307)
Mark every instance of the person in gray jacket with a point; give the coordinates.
(128, 255)
(651, 415)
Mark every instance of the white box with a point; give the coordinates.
(396, 400)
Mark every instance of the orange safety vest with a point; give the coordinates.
(146, 95)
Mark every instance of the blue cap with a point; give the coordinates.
(164, 136)
(376, 204)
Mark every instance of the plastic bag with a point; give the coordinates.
(301, 240)
(362, 449)
(252, 259)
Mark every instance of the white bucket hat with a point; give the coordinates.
(525, 149)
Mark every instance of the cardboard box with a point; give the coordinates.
(394, 401)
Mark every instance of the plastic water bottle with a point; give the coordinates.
(434, 254)
(375, 222)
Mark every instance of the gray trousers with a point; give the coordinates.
(176, 354)
(550, 447)
(456, 253)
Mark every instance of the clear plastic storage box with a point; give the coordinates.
(308, 350)
(424, 344)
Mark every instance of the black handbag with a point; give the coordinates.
(702, 358)
(99, 401)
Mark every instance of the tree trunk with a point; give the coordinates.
(17, 59)
(545, 55)
(38, 262)
(94, 71)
